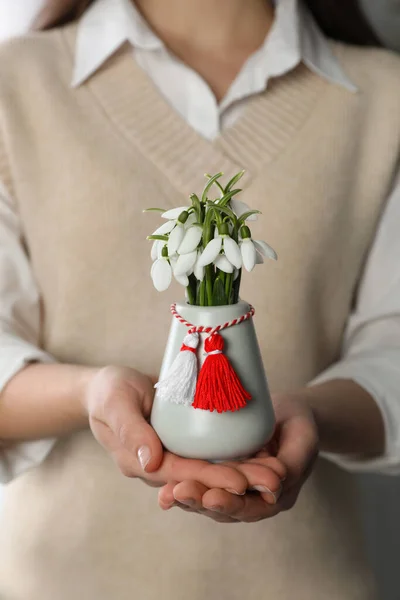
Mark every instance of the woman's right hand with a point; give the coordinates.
(118, 402)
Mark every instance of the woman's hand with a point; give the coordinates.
(118, 402)
(295, 445)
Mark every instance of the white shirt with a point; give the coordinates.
(371, 350)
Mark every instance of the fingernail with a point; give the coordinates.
(235, 492)
(187, 502)
(216, 508)
(144, 456)
(264, 490)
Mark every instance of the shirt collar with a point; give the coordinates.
(294, 37)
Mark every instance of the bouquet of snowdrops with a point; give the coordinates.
(205, 245)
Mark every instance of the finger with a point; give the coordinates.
(166, 498)
(262, 479)
(124, 416)
(249, 508)
(190, 493)
(298, 447)
(175, 468)
(270, 462)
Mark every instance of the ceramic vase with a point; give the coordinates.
(201, 434)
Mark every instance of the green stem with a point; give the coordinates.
(203, 293)
(209, 284)
(228, 286)
(191, 289)
(191, 297)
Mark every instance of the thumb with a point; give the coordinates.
(298, 447)
(136, 435)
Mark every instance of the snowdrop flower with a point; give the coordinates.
(156, 249)
(251, 248)
(222, 242)
(198, 270)
(161, 272)
(178, 220)
(191, 239)
(185, 263)
(174, 213)
(165, 266)
(181, 278)
(223, 264)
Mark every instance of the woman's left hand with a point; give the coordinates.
(295, 444)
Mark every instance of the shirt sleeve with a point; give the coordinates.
(371, 349)
(19, 331)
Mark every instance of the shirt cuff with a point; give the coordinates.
(379, 375)
(15, 459)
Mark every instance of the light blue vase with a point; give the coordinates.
(195, 433)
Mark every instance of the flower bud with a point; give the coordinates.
(245, 232)
(223, 229)
(183, 217)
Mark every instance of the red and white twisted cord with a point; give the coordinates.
(211, 330)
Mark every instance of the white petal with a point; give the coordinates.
(190, 220)
(191, 240)
(198, 270)
(216, 232)
(259, 258)
(155, 249)
(236, 274)
(185, 263)
(210, 252)
(249, 254)
(239, 208)
(221, 262)
(232, 252)
(174, 213)
(161, 274)
(175, 239)
(164, 228)
(265, 249)
(182, 279)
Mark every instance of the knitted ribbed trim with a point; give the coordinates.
(132, 102)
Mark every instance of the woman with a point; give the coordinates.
(162, 92)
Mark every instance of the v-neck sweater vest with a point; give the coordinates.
(81, 164)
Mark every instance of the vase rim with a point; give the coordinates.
(212, 315)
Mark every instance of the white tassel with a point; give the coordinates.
(179, 384)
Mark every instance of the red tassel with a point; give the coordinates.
(218, 386)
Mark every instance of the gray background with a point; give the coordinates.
(380, 503)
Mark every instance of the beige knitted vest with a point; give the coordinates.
(81, 164)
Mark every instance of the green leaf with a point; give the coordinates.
(208, 229)
(197, 206)
(219, 297)
(162, 210)
(226, 211)
(248, 214)
(226, 197)
(162, 238)
(210, 183)
(234, 181)
(217, 183)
